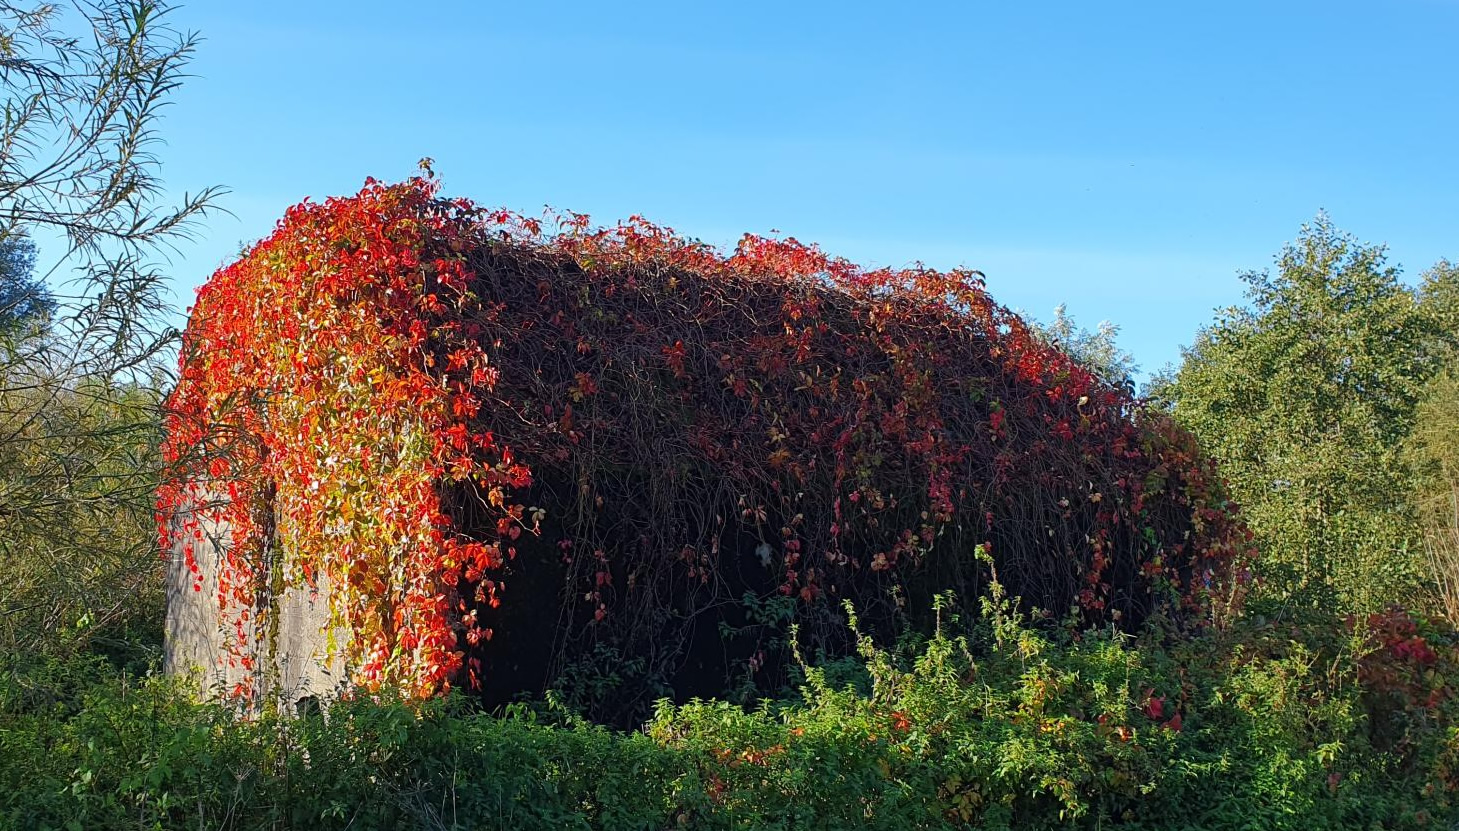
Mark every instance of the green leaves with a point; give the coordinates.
(1279, 727)
(84, 84)
(1432, 450)
(1304, 397)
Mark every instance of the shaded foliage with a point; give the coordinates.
(79, 557)
(23, 297)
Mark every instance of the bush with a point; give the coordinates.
(993, 725)
(78, 542)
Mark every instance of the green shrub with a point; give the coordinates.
(991, 725)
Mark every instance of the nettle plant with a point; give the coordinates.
(412, 402)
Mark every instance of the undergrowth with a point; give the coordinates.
(992, 723)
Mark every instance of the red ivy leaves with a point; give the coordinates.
(349, 364)
(329, 383)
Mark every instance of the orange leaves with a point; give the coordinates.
(464, 405)
(483, 377)
(459, 359)
(457, 435)
(324, 321)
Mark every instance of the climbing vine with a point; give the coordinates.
(396, 395)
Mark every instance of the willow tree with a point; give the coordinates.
(84, 83)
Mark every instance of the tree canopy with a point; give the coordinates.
(1433, 447)
(1306, 396)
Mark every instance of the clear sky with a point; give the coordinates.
(1128, 159)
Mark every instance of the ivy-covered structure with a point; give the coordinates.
(421, 444)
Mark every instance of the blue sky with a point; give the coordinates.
(1126, 159)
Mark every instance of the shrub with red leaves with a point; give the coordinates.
(1401, 662)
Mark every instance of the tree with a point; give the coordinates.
(1096, 351)
(1433, 451)
(23, 298)
(1433, 447)
(1306, 397)
(1439, 298)
(84, 83)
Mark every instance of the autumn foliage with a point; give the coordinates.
(418, 399)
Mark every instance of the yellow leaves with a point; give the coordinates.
(462, 467)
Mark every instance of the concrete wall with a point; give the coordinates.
(292, 657)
